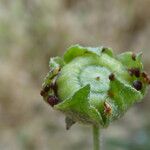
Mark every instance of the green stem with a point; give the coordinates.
(96, 138)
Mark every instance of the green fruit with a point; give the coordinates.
(92, 86)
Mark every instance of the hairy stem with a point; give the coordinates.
(96, 138)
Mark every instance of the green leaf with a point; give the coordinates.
(56, 62)
(127, 60)
(78, 108)
(77, 50)
(124, 95)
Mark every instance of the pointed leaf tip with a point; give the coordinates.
(79, 109)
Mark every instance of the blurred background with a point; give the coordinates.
(32, 31)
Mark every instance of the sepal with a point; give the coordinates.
(78, 108)
(77, 50)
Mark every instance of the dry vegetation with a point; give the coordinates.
(31, 31)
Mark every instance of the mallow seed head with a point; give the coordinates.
(94, 86)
